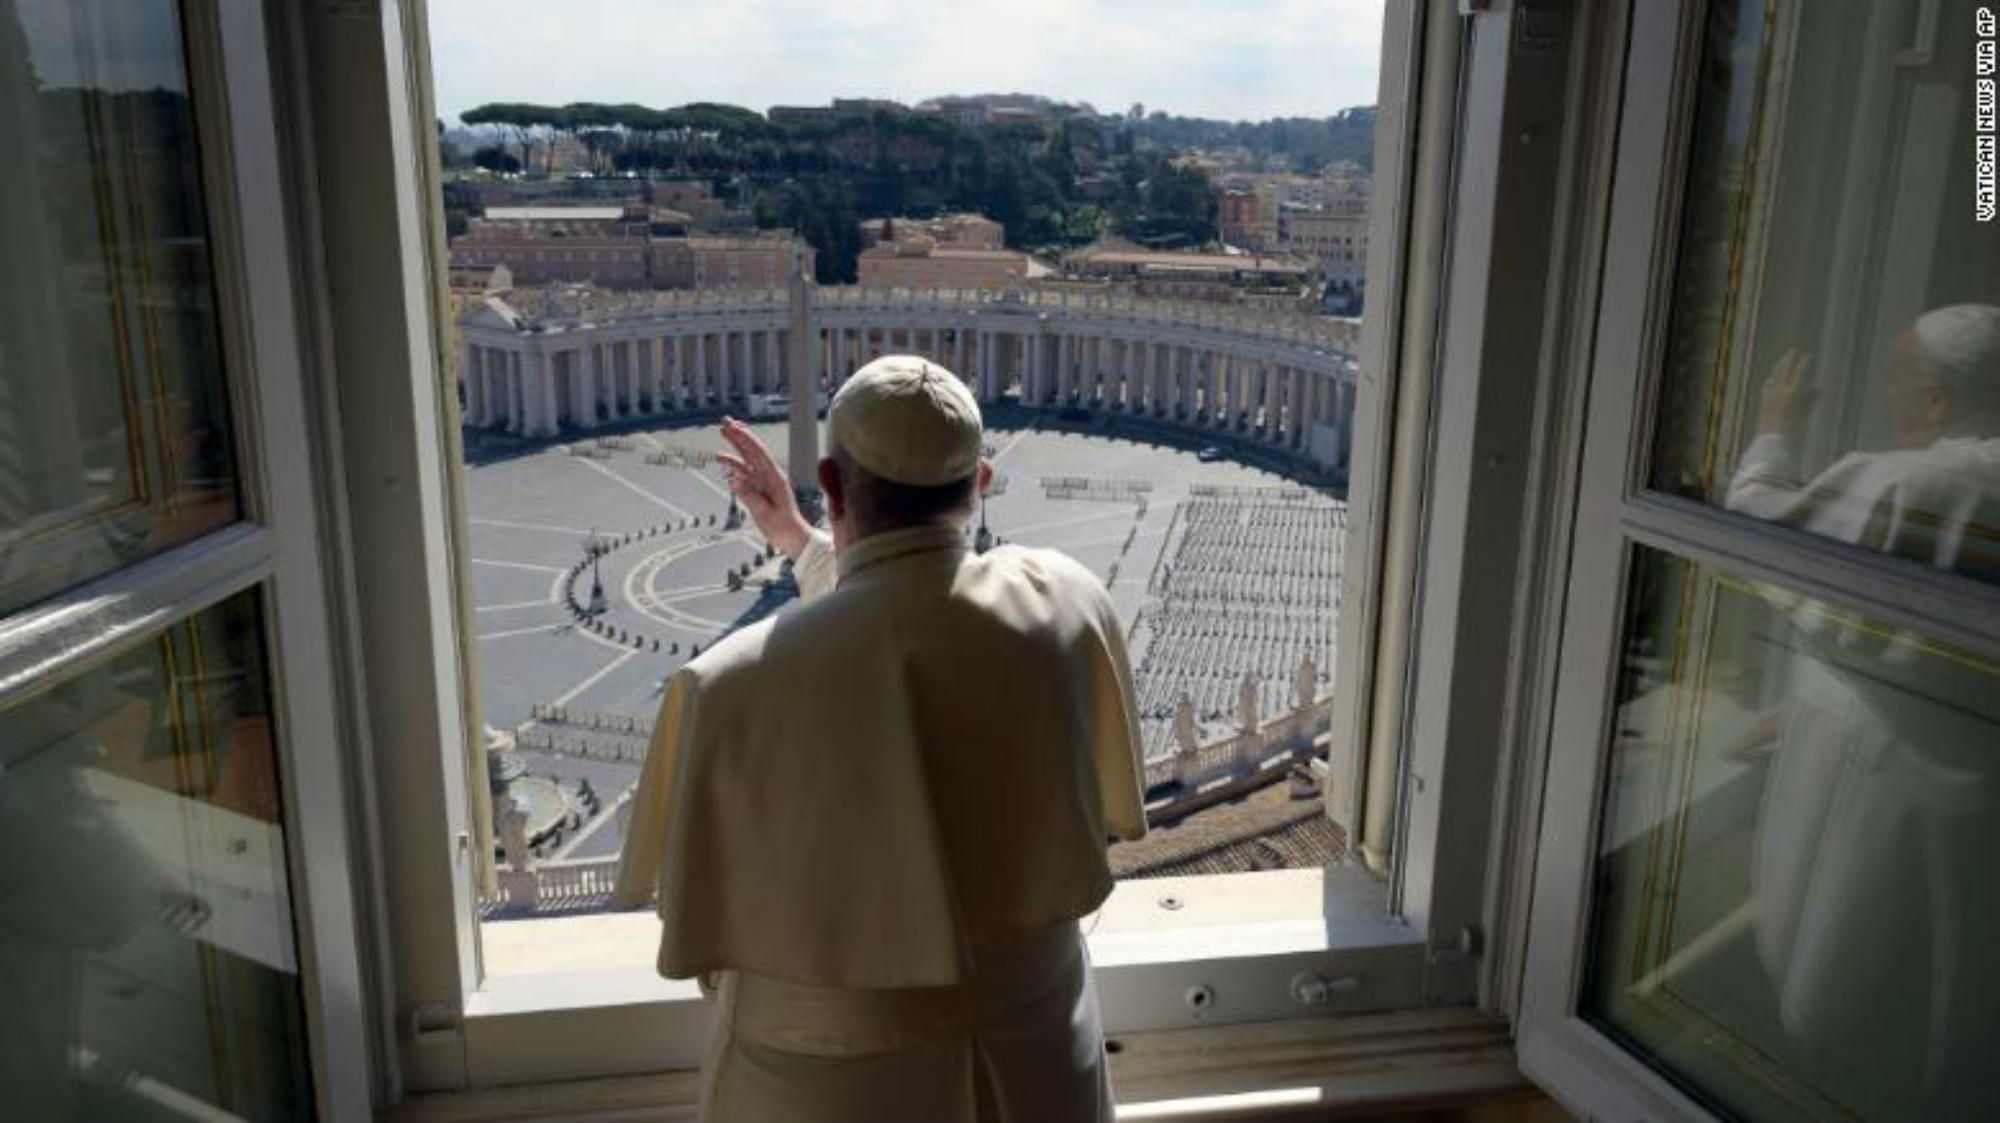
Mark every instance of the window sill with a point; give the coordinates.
(1144, 921)
(1420, 1062)
(575, 997)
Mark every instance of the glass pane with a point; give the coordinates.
(114, 421)
(1834, 358)
(147, 960)
(1796, 892)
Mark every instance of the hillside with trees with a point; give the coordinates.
(1063, 181)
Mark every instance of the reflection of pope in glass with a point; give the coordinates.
(1874, 894)
(1935, 496)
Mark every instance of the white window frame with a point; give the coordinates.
(1410, 937)
(274, 551)
(1627, 316)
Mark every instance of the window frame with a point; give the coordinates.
(1413, 934)
(273, 550)
(1628, 314)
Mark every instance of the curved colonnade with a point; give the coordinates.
(554, 362)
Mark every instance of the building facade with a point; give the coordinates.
(1238, 215)
(919, 263)
(1336, 242)
(621, 247)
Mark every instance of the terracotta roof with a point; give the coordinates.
(1266, 829)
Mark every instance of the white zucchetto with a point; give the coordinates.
(908, 421)
(1963, 339)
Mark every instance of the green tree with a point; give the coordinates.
(494, 158)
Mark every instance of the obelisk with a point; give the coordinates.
(802, 353)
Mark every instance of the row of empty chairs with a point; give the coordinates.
(1248, 582)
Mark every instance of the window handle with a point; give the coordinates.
(1318, 990)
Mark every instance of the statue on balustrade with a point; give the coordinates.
(1306, 686)
(1186, 736)
(1250, 702)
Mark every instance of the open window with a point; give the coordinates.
(1135, 423)
(1763, 886)
(176, 920)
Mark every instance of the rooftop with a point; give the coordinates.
(1190, 261)
(555, 214)
(1270, 828)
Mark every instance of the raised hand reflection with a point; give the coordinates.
(1934, 495)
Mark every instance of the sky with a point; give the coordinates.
(1230, 59)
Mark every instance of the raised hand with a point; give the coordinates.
(760, 485)
(1786, 394)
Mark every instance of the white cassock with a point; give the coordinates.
(1873, 869)
(878, 818)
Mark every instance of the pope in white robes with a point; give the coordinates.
(872, 822)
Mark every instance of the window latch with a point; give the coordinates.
(1463, 946)
(1318, 990)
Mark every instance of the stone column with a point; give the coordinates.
(1268, 391)
(1189, 382)
(1031, 342)
(499, 372)
(687, 372)
(469, 376)
(1246, 374)
(541, 383)
(724, 374)
(1275, 392)
(1295, 412)
(649, 373)
(479, 397)
(680, 350)
(670, 372)
(1216, 364)
(498, 363)
(493, 366)
(1092, 389)
(1149, 391)
(624, 399)
(584, 365)
(1279, 392)
(1255, 396)
(511, 418)
(608, 376)
(1200, 400)
(610, 381)
(529, 385)
(1211, 368)
(705, 366)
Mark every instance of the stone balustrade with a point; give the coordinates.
(1237, 756)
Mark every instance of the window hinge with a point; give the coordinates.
(435, 1023)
